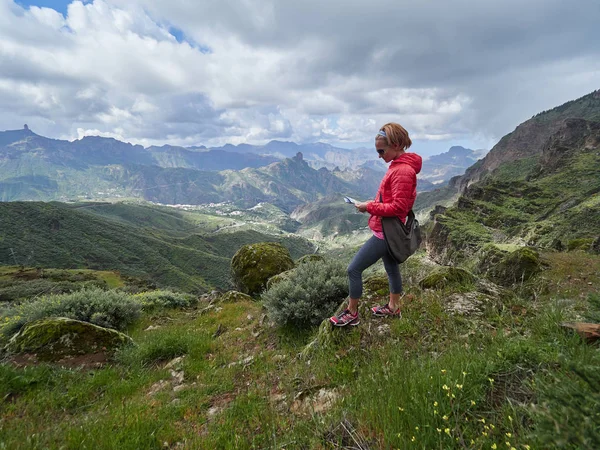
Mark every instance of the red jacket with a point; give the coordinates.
(398, 190)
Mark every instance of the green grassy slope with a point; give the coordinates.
(140, 241)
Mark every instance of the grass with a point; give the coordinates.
(436, 380)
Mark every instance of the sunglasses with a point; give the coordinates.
(381, 151)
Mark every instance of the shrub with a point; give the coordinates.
(165, 299)
(20, 290)
(111, 309)
(308, 295)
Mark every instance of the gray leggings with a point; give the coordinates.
(372, 251)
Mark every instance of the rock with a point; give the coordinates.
(447, 276)
(320, 402)
(516, 267)
(244, 362)
(214, 411)
(175, 363)
(377, 284)
(254, 264)
(384, 330)
(177, 376)
(157, 387)
(465, 304)
(53, 339)
(234, 297)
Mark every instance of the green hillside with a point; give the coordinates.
(551, 200)
(152, 243)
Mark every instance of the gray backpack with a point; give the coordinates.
(402, 239)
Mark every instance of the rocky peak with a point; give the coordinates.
(573, 136)
(530, 137)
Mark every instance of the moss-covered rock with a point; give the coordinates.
(309, 258)
(55, 338)
(518, 266)
(254, 264)
(487, 257)
(446, 276)
(234, 297)
(580, 244)
(377, 284)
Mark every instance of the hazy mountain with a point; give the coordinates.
(439, 169)
(25, 146)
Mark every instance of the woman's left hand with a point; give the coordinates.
(361, 206)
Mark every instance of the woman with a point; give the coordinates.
(395, 197)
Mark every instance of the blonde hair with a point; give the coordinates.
(395, 135)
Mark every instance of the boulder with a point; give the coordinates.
(254, 264)
(517, 266)
(377, 284)
(56, 338)
(447, 276)
(234, 297)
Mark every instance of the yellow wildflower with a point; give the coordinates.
(413, 439)
(445, 387)
(508, 434)
(494, 446)
(447, 431)
(445, 417)
(443, 370)
(473, 403)
(435, 403)
(439, 431)
(459, 386)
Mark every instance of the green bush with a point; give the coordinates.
(111, 309)
(165, 299)
(308, 295)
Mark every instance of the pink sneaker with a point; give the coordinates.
(385, 311)
(345, 318)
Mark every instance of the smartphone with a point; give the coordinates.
(349, 200)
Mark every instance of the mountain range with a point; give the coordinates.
(33, 167)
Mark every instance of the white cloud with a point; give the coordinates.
(304, 71)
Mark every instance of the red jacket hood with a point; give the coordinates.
(412, 159)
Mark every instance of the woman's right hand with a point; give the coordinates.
(361, 206)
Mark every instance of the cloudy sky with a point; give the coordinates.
(216, 71)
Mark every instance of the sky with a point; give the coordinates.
(208, 72)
